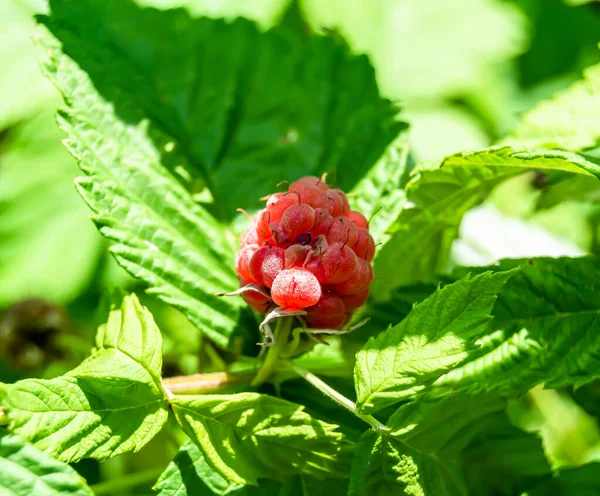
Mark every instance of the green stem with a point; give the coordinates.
(118, 485)
(337, 397)
(282, 334)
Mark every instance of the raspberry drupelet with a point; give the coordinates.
(307, 250)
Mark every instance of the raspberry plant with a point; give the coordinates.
(352, 354)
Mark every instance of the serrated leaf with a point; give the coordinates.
(548, 318)
(161, 235)
(190, 474)
(27, 471)
(443, 428)
(378, 195)
(283, 103)
(248, 436)
(503, 459)
(568, 121)
(112, 403)
(435, 337)
(48, 248)
(582, 481)
(422, 235)
(385, 466)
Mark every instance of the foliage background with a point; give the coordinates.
(463, 72)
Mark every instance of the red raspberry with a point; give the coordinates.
(295, 288)
(344, 231)
(328, 313)
(365, 246)
(358, 282)
(308, 250)
(266, 263)
(359, 219)
(242, 262)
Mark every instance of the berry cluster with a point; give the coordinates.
(307, 250)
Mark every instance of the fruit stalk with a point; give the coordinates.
(282, 334)
(336, 396)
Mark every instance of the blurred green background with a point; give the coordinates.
(462, 70)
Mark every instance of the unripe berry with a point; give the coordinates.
(365, 246)
(359, 219)
(266, 263)
(297, 220)
(242, 262)
(338, 263)
(296, 288)
(278, 203)
(328, 313)
(358, 282)
(343, 230)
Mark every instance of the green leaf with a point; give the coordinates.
(385, 466)
(378, 195)
(548, 319)
(27, 471)
(443, 428)
(283, 104)
(422, 235)
(568, 121)
(503, 459)
(190, 474)
(48, 248)
(582, 481)
(162, 236)
(435, 337)
(112, 403)
(248, 436)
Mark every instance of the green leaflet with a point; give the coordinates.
(435, 337)
(282, 104)
(549, 317)
(112, 403)
(162, 236)
(190, 474)
(27, 471)
(248, 436)
(443, 427)
(422, 235)
(48, 248)
(568, 121)
(582, 481)
(503, 460)
(378, 195)
(385, 466)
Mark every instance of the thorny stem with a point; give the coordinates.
(282, 334)
(337, 397)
